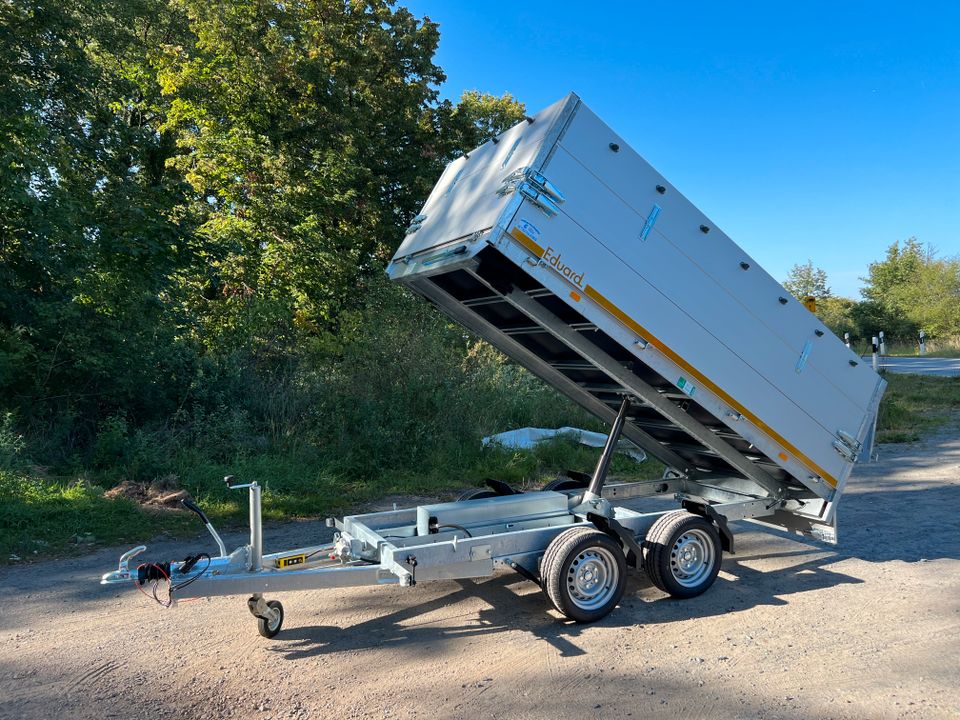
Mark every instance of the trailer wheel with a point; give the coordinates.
(270, 627)
(682, 554)
(583, 572)
(476, 494)
(561, 484)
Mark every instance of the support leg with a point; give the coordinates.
(256, 529)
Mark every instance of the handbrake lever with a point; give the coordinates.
(191, 505)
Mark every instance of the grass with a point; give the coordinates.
(42, 516)
(915, 405)
(949, 348)
(54, 516)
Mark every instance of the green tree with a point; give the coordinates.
(935, 297)
(192, 194)
(837, 313)
(301, 130)
(913, 289)
(475, 119)
(803, 280)
(87, 244)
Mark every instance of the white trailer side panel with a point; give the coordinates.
(464, 200)
(619, 285)
(627, 176)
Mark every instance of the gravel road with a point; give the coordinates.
(869, 629)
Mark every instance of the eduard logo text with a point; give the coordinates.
(557, 264)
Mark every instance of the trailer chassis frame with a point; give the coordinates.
(458, 540)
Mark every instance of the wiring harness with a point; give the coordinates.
(162, 586)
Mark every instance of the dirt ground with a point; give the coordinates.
(869, 629)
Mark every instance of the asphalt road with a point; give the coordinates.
(945, 367)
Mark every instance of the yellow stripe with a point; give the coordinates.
(629, 322)
(528, 242)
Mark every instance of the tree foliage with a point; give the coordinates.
(909, 290)
(477, 118)
(191, 193)
(300, 129)
(88, 245)
(913, 289)
(838, 314)
(803, 280)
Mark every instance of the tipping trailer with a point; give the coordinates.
(563, 248)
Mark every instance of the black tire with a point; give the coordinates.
(549, 556)
(476, 494)
(574, 563)
(265, 627)
(562, 484)
(682, 554)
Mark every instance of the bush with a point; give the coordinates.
(11, 443)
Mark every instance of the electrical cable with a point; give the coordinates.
(456, 527)
(165, 576)
(185, 583)
(156, 584)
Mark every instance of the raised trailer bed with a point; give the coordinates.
(563, 248)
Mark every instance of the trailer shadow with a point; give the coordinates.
(513, 606)
(509, 610)
(880, 522)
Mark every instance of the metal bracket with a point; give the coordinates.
(845, 450)
(520, 569)
(411, 562)
(847, 445)
(614, 529)
(726, 537)
(416, 223)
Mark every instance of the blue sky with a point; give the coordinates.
(821, 131)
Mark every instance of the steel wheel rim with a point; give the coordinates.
(592, 578)
(274, 623)
(692, 558)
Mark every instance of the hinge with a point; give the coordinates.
(535, 187)
(416, 223)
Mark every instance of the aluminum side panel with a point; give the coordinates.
(570, 245)
(618, 227)
(465, 200)
(634, 182)
(755, 364)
